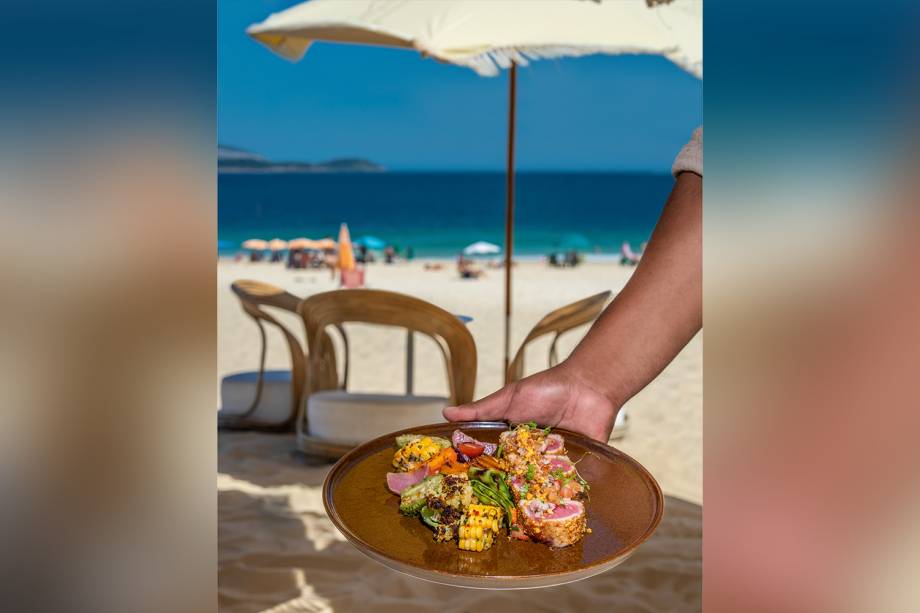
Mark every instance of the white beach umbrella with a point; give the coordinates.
(277, 244)
(255, 244)
(488, 36)
(482, 248)
(301, 243)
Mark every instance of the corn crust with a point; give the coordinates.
(555, 532)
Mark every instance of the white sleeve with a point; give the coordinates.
(690, 158)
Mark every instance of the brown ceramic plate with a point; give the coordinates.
(623, 511)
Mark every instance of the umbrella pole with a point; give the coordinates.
(509, 209)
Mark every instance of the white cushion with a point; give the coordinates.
(352, 418)
(237, 391)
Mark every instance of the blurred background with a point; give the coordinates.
(108, 231)
(810, 253)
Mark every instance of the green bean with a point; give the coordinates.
(486, 497)
(491, 494)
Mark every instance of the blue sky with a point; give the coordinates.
(408, 113)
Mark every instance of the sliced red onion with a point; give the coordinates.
(397, 482)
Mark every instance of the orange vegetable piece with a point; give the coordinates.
(454, 467)
(437, 462)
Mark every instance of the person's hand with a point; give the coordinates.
(554, 397)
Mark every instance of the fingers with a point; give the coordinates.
(492, 407)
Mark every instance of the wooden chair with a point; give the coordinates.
(336, 420)
(557, 322)
(269, 388)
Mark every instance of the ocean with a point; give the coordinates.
(437, 214)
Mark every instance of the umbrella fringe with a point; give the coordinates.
(490, 63)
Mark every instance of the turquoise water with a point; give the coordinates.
(437, 214)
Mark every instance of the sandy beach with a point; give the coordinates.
(279, 552)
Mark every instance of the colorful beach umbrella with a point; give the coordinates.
(575, 242)
(371, 242)
(276, 244)
(346, 253)
(324, 244)
(489, 36)
(255, 244)
(482, 248)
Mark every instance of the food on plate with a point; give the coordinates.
(414, 497)
(477, 527)
(471, 490)
(416, 450)
(557, 525)
(397, 482)
(463, 441)
(553, 444)
(443, 499)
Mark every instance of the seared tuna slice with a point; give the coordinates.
(558, 525)
(560, 465)
(553, 444)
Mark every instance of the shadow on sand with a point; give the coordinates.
(279, 551)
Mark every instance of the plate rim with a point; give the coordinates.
(584, 440)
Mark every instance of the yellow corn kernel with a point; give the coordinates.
(415, 454)
(477, 527)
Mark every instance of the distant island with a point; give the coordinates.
(235, 160)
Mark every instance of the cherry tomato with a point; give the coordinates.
(471, 450)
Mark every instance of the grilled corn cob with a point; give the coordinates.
(478, 526)
(415, 453)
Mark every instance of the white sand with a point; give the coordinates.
(278, 548)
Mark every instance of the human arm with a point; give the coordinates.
(640, 332)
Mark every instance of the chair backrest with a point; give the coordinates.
(556, 322)
(254, 296)
(392, 309)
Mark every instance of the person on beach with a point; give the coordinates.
(657, 312)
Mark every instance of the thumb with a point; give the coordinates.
(492, 407)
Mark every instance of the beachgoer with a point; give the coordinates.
(628, 257)
(389, 254)
(651, 319)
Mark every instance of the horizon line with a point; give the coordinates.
(517, 171)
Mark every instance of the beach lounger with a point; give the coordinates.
(557, 322)
(628, 257)
(270, 400)
(337, 420)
